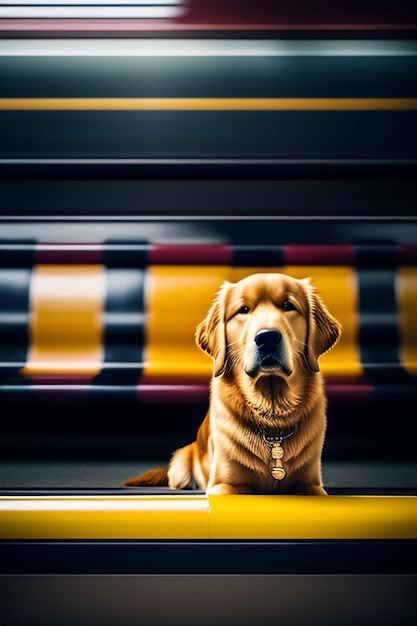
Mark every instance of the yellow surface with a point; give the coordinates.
(180, 296)
(168, 517)
(177, 299)
(208, 517)
(313, 517)
(66, 304)
(407, 315)
(338, 288)
(208, 104)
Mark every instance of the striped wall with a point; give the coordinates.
(208, 99)
(118, 319)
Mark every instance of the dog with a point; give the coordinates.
(265, 427)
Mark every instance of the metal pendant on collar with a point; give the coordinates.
(277, 454)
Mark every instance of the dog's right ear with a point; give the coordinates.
(211, 333)
(323, 329)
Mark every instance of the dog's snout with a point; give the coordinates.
(268, 339)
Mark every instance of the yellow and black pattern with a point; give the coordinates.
(113, 329)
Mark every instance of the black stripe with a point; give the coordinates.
(377, 255)
(14, 320)
(17, 253)
(209, 557)
(137, 253)
(266, 75)
(123, 327)
(201, 134)
(209, 169)
(125, 253)
(378, 326)
(257, 256)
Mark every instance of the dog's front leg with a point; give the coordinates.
(228, 476)
(308, 481)
(310, 490)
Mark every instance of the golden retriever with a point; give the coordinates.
(265, 427)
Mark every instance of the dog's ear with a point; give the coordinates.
(323, 329)
(211, 333)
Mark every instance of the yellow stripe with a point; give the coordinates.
(209, 517)
(208, 104)
(178, 298)
(407, 308)
(313, 517)
(338, 288)
(168, 517)
(66, 320)
(330, 281)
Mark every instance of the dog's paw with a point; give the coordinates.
(310, 490)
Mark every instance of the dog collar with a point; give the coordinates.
(274, 443)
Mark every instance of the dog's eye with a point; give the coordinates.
(288, 306)
(244, 310)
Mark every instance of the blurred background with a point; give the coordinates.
(148, 152)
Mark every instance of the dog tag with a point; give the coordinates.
(278, 473)
(277, 452)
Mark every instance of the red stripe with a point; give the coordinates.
(150, 380)
(160, 254)
(187, 393)
(171, 389)
(162, 389)
(240, 15)
(68, 253)
(319, 255)
(355, 392)
(59, 379)
(408, 253)
(175, 392)
(198, 392)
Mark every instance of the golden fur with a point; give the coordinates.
(270, 389)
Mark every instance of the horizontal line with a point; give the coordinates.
(208, 162)
(254, 557)
(105, 365)
(204, 47)
(89, 2)
(208, 104)
(94, 12)
(205, 253)
(122, 26)
(186, 387)
(208, 169)
(86, 503)
(56, 492)
(206, 218)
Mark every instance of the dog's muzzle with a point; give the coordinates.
(267, 340)
(269, 354)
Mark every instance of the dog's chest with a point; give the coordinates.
(270, 460)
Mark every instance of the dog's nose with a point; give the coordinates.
(268, 339)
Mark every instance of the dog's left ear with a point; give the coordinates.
(211, 333)
(323, 329)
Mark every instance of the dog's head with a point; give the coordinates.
(267, 325)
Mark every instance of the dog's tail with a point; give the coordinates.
(151, 478)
